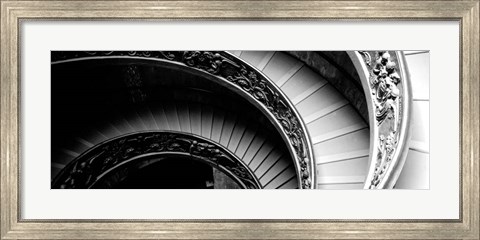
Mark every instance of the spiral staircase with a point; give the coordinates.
(337, 128)
(339, 133)
(340, 136)
(242, 136)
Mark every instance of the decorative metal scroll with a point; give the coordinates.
(88, 168)
(389, 97)
(252, 82)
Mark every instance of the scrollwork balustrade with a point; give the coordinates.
(88, 169)
(385, 80)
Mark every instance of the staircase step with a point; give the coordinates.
(207, 121)
(342, 156)
(351, 142)
(338, 133)
(281, 66)
(147, 119)
(283, 177)
(258, 59)
(336, 123)
(301, 80)
(136, 120)
(289, 74)
(237, 135)
(274, 170)
(308, 92)
(172, 116)
(253, 149)
(340, 186)
(323, 112)
(236, 53)
(246, 141)
(196, 118)
(291, 183)
(217, 125)
(160, 118)
(341, 180)
(84, 142)
(267, 162)
(184, 117)
(227, 130)
(319, 100)
(357, 166)
(261, 154)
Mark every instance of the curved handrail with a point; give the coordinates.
(88, 169)
(387, 86)
(252, 83)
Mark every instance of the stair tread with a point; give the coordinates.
(291, 183)
(283, 177)
(237, 135)
(257, 58)
(172, 116)
(357, 166)
(279, 66)
(184, 116)
(336, 122)
(246, 140)
(302, 80)
(207, 121)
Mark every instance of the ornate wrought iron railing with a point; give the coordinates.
(234, 73)
(90, 169)
(386, 83)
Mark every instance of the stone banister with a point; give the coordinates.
(385, 80)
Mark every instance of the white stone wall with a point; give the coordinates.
(416, 171)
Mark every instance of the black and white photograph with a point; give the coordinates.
(240, 119)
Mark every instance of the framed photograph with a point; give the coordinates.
(239, 119)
